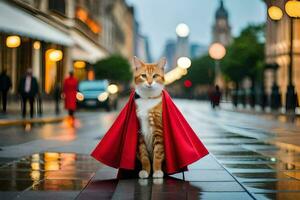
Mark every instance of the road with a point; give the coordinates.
(260, 154)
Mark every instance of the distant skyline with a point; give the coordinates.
(158, 18)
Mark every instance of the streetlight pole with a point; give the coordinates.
(217, 52)
(291, 95)
(292, 8)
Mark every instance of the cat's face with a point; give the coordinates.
(149, 77)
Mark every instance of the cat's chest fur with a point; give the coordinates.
(143, 106)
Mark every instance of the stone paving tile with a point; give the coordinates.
(242, 158)
(48, 195)
(60, 184)
(277, 195)
(261, 177)
(208, 175)
(221, 195)
(218, 186)
(8, 195)
(247, 166)
(238, 170)
(68, 174)
(273, 186)
(208, 162)
(15, 185)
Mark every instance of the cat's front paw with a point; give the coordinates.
(158, 174)
(143, 174)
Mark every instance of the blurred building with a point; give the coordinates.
(55, 36)
(124, 20)
(141, 45)
(197, 50)
(221, 30)
(169, 52)
(192, 50)
(278, 49)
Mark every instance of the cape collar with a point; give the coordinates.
(137, 96)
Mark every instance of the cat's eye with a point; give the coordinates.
(155, 75)
(143, 76)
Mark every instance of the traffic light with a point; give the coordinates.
(188, 83)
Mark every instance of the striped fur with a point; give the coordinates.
(149, 80)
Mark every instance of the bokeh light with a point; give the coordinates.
(182, 30)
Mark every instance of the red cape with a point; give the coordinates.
(119, 145)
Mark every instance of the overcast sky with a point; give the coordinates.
(158, 18)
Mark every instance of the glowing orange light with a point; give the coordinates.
(13, 41)
(292, 8)
(217, 51)
(82, 14)
(79, 64)
(36, 45)
(275, 13)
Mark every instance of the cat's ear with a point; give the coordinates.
(137, 62)
(162, 62)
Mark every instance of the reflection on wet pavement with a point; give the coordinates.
(49, 171)
(246, 162)
(249, 149)
(265, 170)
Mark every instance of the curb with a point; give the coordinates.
(31, 121)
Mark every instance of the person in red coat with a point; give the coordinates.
(70, 90)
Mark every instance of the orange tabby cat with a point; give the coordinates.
(149, 83)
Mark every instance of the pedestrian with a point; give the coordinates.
(70, 91)
(28, 89)
(57, 96)
(216, 97)
(5, 85)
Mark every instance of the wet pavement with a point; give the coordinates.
(252, 157)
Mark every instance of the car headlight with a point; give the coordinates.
(103, 96)
(79, 96)
(112, 89)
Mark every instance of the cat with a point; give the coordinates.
(149, 83)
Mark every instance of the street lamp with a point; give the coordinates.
(275, 13)
(217, 52)
(184, 62)
(292, 8)
(13, 41)
(182, 30)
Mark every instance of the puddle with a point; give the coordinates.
(48, 171)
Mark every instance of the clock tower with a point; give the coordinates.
(221, 28)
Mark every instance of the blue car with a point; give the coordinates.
(95, 94)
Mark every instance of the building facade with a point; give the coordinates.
(277, 51)
(79, 32)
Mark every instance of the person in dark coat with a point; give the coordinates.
(57, 96)
(216, 97)
(28, 89)
(70, 91)
(5, 85)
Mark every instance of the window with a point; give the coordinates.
(57, 6)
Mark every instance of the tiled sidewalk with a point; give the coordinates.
(206, 179)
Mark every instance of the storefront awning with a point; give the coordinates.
(14, 20)
(84, 49)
